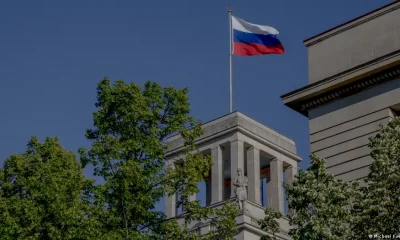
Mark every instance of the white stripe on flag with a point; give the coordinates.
(243, 26)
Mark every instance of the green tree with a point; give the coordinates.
(378, 208)
(270, 223)
(40, 194)
(321, 205)
(130, 128)
(327, 208)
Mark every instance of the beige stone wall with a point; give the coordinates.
(354, 44)
(339, 131)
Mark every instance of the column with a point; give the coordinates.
(192, 198)
(290, 173)
(237, 161)
(253, 175)
(275, 186)
(170, 202)
(217, 175)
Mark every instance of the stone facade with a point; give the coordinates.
(234, 142)
(354, 86)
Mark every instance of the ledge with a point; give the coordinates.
(178, 146)
(231, 123)
(307, 98)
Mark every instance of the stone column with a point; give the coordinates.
(253, 175)
(237, 161)
(192, 198)
(170, 202)
(290, 173)
(275, 186)
(217, 175)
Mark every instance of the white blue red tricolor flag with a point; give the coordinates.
(252, 39)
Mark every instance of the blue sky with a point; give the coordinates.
(53, 53)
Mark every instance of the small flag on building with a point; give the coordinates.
(248, 39)
(252, 39)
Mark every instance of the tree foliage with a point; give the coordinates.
(378, 207)
(128, 151)
(40, 194)
(43, 194)
(270, 223)
(320, 203)
(328, 208)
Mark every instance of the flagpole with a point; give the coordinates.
(230, 57)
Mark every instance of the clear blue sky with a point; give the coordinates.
(53, 53)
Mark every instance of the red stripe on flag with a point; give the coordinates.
(245, 49)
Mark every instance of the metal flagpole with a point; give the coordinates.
(230, 57)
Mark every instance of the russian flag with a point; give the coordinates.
(252, 39)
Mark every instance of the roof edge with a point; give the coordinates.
(352, 70)
(350, 21)
(303, 105)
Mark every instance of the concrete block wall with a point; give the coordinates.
(339, 131)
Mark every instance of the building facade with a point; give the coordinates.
(234, 142)
(353, 87)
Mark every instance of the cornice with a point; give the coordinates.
(235, 129)
(344, 91)
(352, 23)
(346, 77)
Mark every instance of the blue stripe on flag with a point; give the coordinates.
(244, 37)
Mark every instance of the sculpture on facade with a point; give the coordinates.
(241, 188)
